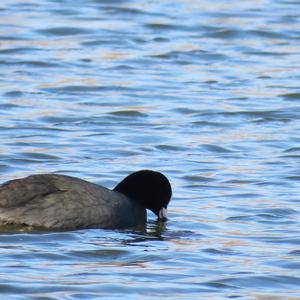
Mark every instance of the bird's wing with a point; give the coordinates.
(20, 191)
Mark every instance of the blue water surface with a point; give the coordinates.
(206, 92)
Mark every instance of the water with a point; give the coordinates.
(206, 92)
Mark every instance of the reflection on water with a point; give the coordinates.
(206, 92)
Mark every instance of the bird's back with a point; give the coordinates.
(64, 202)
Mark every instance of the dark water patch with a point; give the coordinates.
(164, 27)
(289, 265)
(263, 117)
(100, 254)
(27, 131)
(265, 53)
(291, 96)
(220, 285)
(39, 237)
(12, 289)
(268, 34)
(215, 148)
(293, 241)
(19, 50)
(128, 113)
(291, 156)
(124, 67)
(76, 89)
(231, 33)
(100, 120)
(279, 212)
(278, 183)
(185, 111)
(51, 256)
(213, 124)
(243, 195)
(105, 42)
(5, 167)
(31, 64)
(198, 178)
(271, 120)
(22, 162)
(110, 153)
(186, 56)
(13, 94)
(24, 4)
(295, 252)
(29, 143)
(13, 38)
(39, 156)
(204, 186)
(161, 39)
(65, 12)
(170, 148)
(241, 218)
(64, 31)
(264, 114)
(225, 33)
(294, 178)
(244, 34)
(86, 60)
(211, 81)
(222, 252)
(29, 291)
(159, 230)
(264, 77)
(126, 153)
(9, 106)
(240, 181)
(23, 255)
(292, 149)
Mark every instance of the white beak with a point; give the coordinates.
(163, 214)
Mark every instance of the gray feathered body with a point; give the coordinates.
(61, 202)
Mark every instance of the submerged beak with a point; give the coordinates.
(162, 215)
